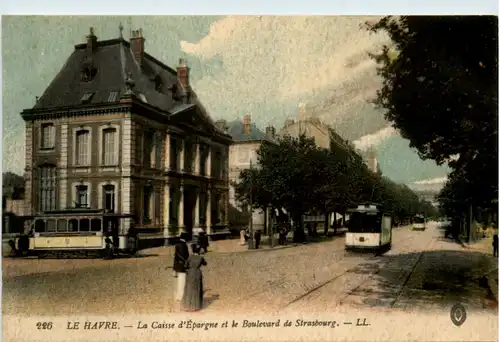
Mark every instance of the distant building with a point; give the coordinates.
(428, 195)
(119, 130)
(371, 160)
(247, 139)
(311, 126)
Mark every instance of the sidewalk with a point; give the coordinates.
(485, 246)
(232, 245)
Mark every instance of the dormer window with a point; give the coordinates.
(86, 98)
(158, 84)
(88, 73)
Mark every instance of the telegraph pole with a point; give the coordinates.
(250, 228)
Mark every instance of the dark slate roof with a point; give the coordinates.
(235, 130)
(113, 60)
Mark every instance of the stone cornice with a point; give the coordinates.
(68, 112)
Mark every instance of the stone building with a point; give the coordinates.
(247, 139)
(311, 126)
(119, 130)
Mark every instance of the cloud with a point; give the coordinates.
(438, 180)
(431, 184)
(371, 140)
(315, 59)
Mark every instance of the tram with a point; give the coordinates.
(419, 222)
(74, 230)
(369, 229)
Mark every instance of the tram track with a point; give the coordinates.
(314, 289)
(405, 281)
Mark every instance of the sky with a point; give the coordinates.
(264, 66)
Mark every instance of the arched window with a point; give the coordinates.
(82, 147)
(109, 147)
(47, 187)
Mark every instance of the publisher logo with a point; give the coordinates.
(458, 314)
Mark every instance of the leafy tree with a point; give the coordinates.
(12, 185)
(440, 79)
(288, 176)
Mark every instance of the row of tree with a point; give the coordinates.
(296, 175)
(440, 90)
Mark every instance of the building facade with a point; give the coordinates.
(247, 138)
(119, 130)
(311, 126)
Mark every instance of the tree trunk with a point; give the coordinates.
(298, 233)
(326, 223)
(335, 223)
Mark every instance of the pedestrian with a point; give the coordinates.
(193, 293)
(495, 245)
(243, 239)
(257, 237)
(180, 265)
(109, 248)
(203, 241)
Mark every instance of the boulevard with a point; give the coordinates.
(422, 271)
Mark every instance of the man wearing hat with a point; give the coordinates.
(180, 265)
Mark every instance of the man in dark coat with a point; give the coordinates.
(203, 241)
(180, 265)
(257, 237)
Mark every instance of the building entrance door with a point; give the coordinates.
(189, 208)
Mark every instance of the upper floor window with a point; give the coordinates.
(48, 136)
(138, 148)
(188, 156)
(82, 196)
(203, 159)
(174, 153)
(153, 146)
(109, 148)
(149, 149)
(47, 186)
(224, 164)
(82, 147)
(215, 163)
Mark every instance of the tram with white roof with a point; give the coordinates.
(419, 222)
(74, 230)
(369, 229)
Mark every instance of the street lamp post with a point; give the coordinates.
(250, 205)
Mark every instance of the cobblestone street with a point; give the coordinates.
(421, 271)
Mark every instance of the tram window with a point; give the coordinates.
(39, 226)
(84, 225)
(365, 223)
(96, 225)
(419, 219)
(73, 225)
(51, 225)
(62, 225)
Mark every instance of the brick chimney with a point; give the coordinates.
(183, 87)
(91, 42)
(137, 46)
(270, 132)
(247, 125)
(222, 125)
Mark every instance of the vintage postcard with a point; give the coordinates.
(272, 178)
